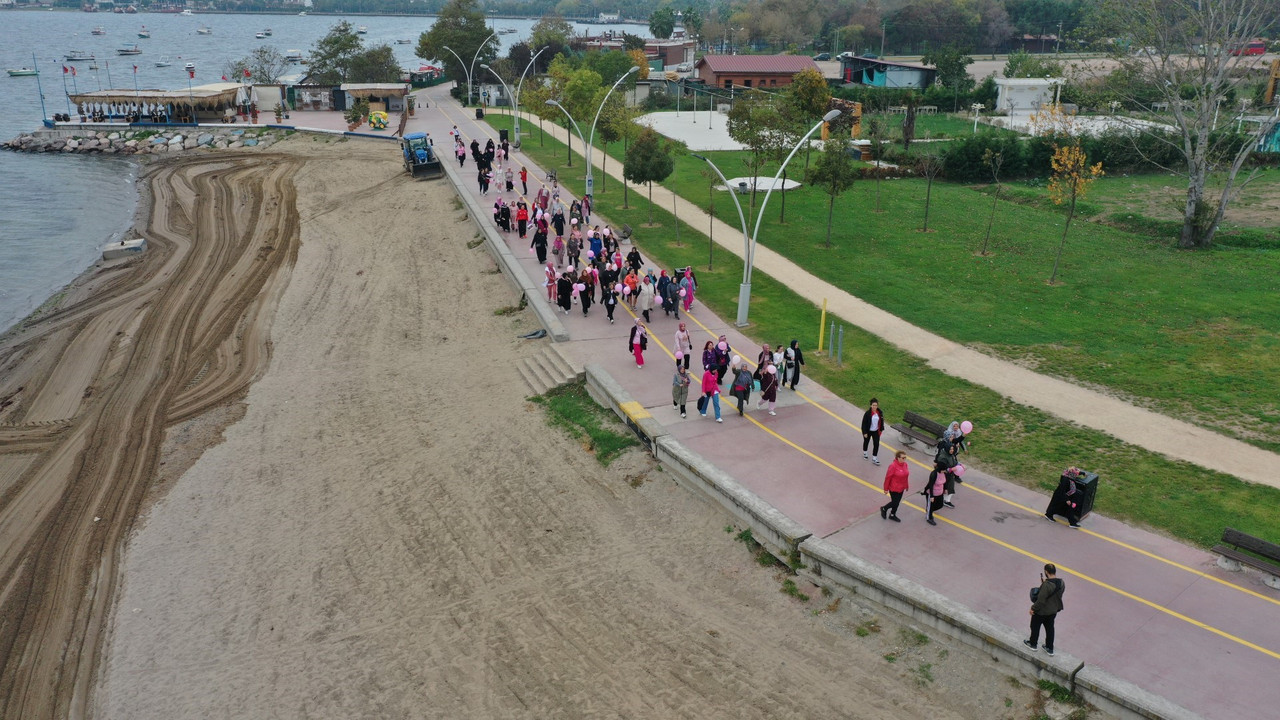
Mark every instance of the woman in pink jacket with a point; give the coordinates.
(710, 392)
(895, 484)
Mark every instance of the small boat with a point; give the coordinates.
(22, 72)
(266, 31)
(302, 14)
(129, 49)
(293, 56)
(204, 30)
(98, 31)
(260, 36)
(362, 30)
(506, 31)
(163, 62)
(124, 248)
(78, 56)
(187, 13)
(93, 65)
(403, 41)
(131, 10)
(144, 33)
(189, 67)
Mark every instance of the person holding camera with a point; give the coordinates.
(1046, 603)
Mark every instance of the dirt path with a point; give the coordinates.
(87, 392)
(1146, 429)
(390, 530)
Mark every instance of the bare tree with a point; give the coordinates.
(993, 161)
(1189, 55)
(928, 165)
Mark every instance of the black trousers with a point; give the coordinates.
(1047, 622)
(872, 439)
(892, 506)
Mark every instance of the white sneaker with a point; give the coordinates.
(719, 420)
(865, 455)
(774, 413)
(681, 414)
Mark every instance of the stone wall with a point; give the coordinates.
(140, 142)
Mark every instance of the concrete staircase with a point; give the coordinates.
(550, 368)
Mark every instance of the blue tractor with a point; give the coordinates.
(420, 159)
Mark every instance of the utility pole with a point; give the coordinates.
(1057, 47)
(881, 39)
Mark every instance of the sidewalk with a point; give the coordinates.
(1148, 609)
(1144, 428)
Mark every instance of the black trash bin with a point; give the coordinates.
(1074, 505)
(479, 113)
(503, 136)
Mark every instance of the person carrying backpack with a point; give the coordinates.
(1046, 605)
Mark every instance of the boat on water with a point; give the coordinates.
(98, 31)
(78, 56)
(22, 72)
(204, 30)
(302, 14)
(266, 31)
(260, 36)
(124, 248)
(189, 67)
(506, 31)
(131, 10)
(144, 33)
(362, 30)
(186, 12)
(403, 41)
(163, 62)
(293, 56)
(129, 49)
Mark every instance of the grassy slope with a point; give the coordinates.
(1013, 441)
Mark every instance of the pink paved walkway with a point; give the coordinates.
(1153, 611)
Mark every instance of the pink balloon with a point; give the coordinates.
(569, 269)
(619, 287)
(682, 292)
(591, 254)
(530, 251)
(958, 470)
(581, 287)
(966, 427)
(723, 345)
(679, 355)
(771, 370)
(626, 289)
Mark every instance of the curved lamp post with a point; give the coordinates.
(519, 88)
(504, 82)
(471, 68)
(746, 241)
(591, 142)
(575, 122)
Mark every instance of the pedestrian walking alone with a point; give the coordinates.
(1045, 607)
(680, 385)
(710, 392)
(872, 428)
(638, 342)
(895, 484)
(524, 181)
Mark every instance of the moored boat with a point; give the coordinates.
(22, 72)
(293, 56)
(78, 56)
(362, 30)
(128, 49)
(124, 248)
(260, 36)
(189, 67)
(204, 30)
(144, 33)
(163, 62)
(98, 31)
(266, 31)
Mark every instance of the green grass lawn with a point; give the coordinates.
(1013, 441)
(1192, 334)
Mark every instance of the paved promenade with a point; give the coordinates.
(1151, 610)
(1144, 428)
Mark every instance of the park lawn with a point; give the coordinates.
(1194, 335)
(1015, 442)
(1153, 203)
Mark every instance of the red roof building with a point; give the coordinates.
(751, 71)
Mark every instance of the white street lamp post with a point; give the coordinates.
(744, 292)
(471, 69)
(519, 89)
(977, 108)
(746, 241)
(504, 82)
(566, 114)
(466, 70)
(592, 140)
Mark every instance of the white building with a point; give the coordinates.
(1025, 95)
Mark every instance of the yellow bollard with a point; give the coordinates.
(822, 324)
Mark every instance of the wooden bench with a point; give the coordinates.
(1248, 550)
(918, 427)
(625, 232)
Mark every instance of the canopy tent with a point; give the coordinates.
(212, 97)
(380, 90)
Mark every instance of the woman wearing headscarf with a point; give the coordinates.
(680, 385)
(684, 344)
(723, 353)
(551, 283)
(504, 217)
(741, 388)
(710, 392)
(709, 356)
(588, 294)
(769, 387)
(564, 291)
(638, 342)
(634, 261)
(646, 298)
(539, 243)
(795, 359)
(609, 299)
(574, 248)
(933, 492)
(688, 285)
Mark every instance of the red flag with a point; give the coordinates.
(192, 73)
(65, 70)
(135, 69)
(224, 78)
(73, 71)
(246, 72)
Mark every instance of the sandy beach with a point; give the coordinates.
(283, 466)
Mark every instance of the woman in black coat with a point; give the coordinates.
(794, 359)
(564, 292)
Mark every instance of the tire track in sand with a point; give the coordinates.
(204, 293)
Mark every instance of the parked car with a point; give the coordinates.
(822, 56)
(684, 67)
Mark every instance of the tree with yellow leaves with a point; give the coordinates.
(1072, 176)
(641, 61)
